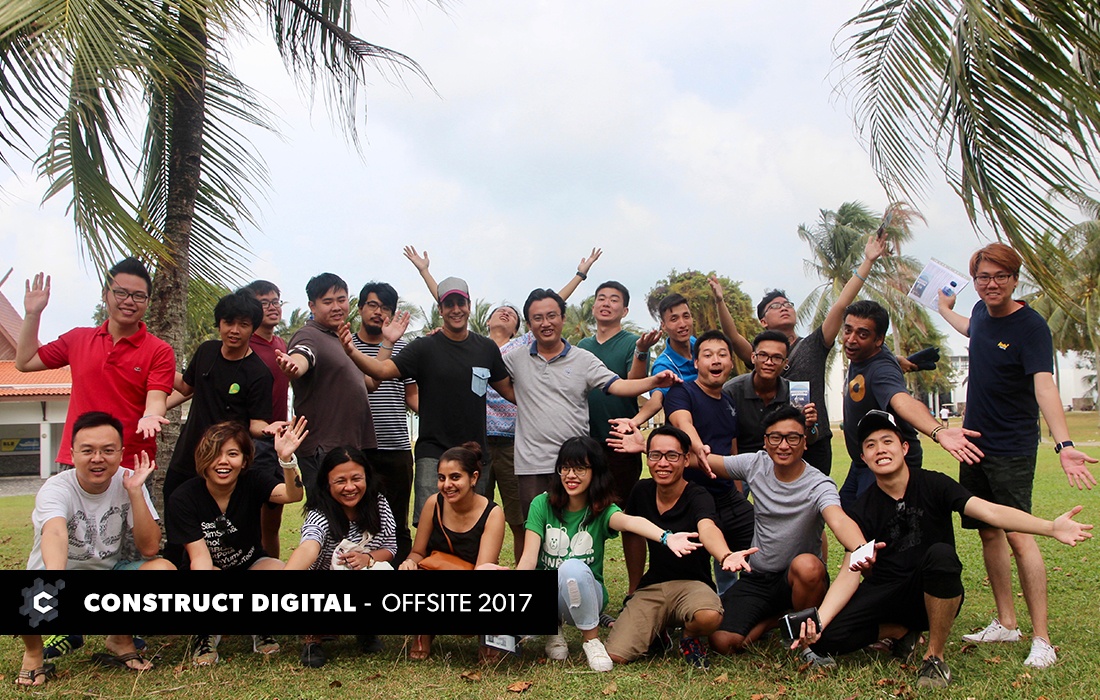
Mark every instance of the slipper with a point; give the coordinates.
(121, 661)
(421, 648)
(28, 677)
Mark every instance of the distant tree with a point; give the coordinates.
(291, 324)
(479, 317)
(579, 321)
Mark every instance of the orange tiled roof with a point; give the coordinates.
(50, 382)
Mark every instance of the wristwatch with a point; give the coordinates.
(1060, 445)
(643, 356)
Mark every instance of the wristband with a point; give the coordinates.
(664, 537)
(935, 431)
(385, 347)
(723, 559)
(582, 275)
(855, 271)
(292, 464)
(1062, 445)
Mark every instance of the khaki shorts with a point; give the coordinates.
(668, 604)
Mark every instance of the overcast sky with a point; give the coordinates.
(673, 135)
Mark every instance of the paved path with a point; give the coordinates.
(20, 485)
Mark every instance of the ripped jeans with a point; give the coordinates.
(580, 595)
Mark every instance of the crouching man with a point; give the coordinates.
(914, 583)
(674, 591)
(94, 516)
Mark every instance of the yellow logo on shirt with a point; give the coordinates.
(857, 388)
(234, 388)
(1002, 345)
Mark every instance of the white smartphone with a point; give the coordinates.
(863, 552)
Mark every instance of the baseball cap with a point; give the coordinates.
(452, 285)
(876, 420)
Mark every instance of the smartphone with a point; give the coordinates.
(791, 623)
(863, 552)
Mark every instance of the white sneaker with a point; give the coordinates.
(993, 632)
(557, 649)
(1042, 654)
(598, 660)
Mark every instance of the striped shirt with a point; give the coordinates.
(316, 528)
(387, 402)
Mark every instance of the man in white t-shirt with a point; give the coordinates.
(94, 516)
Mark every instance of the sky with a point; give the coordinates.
(672, 135)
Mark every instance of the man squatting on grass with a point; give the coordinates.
(914, 582)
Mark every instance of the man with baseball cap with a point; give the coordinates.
(453, 369)
(915, 582)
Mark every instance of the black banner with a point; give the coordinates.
(287, 602)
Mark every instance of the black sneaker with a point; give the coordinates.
(934, 673)
(903, 648)
(694, 652)
(370, 643)
(58, 645)
(313, 656)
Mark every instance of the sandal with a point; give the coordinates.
(123, 661)
(28, 677)
(421, 648)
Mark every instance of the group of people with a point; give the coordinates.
(739, 489)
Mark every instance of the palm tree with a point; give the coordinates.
(579, 321)
(1003, 94)
(479, 317)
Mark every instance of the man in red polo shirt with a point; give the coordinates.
(118, 368)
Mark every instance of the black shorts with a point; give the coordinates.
(756, 596)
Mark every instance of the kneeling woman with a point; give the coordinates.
(349, 506)
(216, 518)
(457, 522)
(567, 528)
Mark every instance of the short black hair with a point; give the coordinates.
(130, 266)
(618, 287)
(865, 308)
(711, 335)
(782, 411)
(539, 295)
(386, 294)
(669, 302)
(669, 429)
(322, 283)
(239, 305)
(774, 336)
(95, 419)
(769, 297)
(260, 287)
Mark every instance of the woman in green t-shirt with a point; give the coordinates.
(566, 530)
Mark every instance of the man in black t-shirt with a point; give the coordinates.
(673, 591)
(914, 582)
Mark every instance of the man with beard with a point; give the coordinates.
(329, 388)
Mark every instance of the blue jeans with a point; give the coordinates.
(585, 615)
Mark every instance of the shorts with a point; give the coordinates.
(757, 596)
(502, 475)
(127, 565)
(655, 607)
(1006, 481)
(267, 459)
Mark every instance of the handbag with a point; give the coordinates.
(444, 561)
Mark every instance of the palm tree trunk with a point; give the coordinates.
(168, 312)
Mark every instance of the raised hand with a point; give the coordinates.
(648, 340)
(420, 262)
(809, 412)
(586, 263)
(876, 247)
(716, 289)
(666, 378)
(289, 438)
(143, 467)
(345, 335)
(37, 294)
(394, 328)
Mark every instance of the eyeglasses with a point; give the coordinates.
(106, 452)
(377, 305)
(773, 359)
(574, 469)
(670, 457)
(777, 305)
(776, 439)
(999, 278)
(550, 317)
(270, 304)
(122, 295)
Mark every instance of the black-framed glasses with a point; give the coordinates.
(378, 306)
(122, 295)
(773, 359)
(574, 469)
(777, 305)
(999, 278)
(671, 457)
(776, 439)
(271, 303)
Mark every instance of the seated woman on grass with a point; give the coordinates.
(567, 528)
(216, 518)
(459, 522)
(349, 507)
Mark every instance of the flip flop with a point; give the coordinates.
(121, 661)
(28, 677)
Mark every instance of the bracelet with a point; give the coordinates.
(723, 560)
(293, 463)
(855, 271)
(664, 537)
(582, 275)
(935, 431)
(385, 347)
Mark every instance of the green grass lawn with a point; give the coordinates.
(767, 671)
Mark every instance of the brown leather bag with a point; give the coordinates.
(444, 561)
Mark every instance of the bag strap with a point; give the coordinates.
(442, 527)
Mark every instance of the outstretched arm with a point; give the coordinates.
(1074, 462)
(1064, 528)
(581, 274)
(954, 318)
(35, 299)
(953, 440)
(741, 346)
(146, 530)
(872, 251)
(680, 543)
(421, 263)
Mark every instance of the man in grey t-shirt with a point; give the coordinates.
(792, 504)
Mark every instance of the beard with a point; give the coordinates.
(372, 330)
